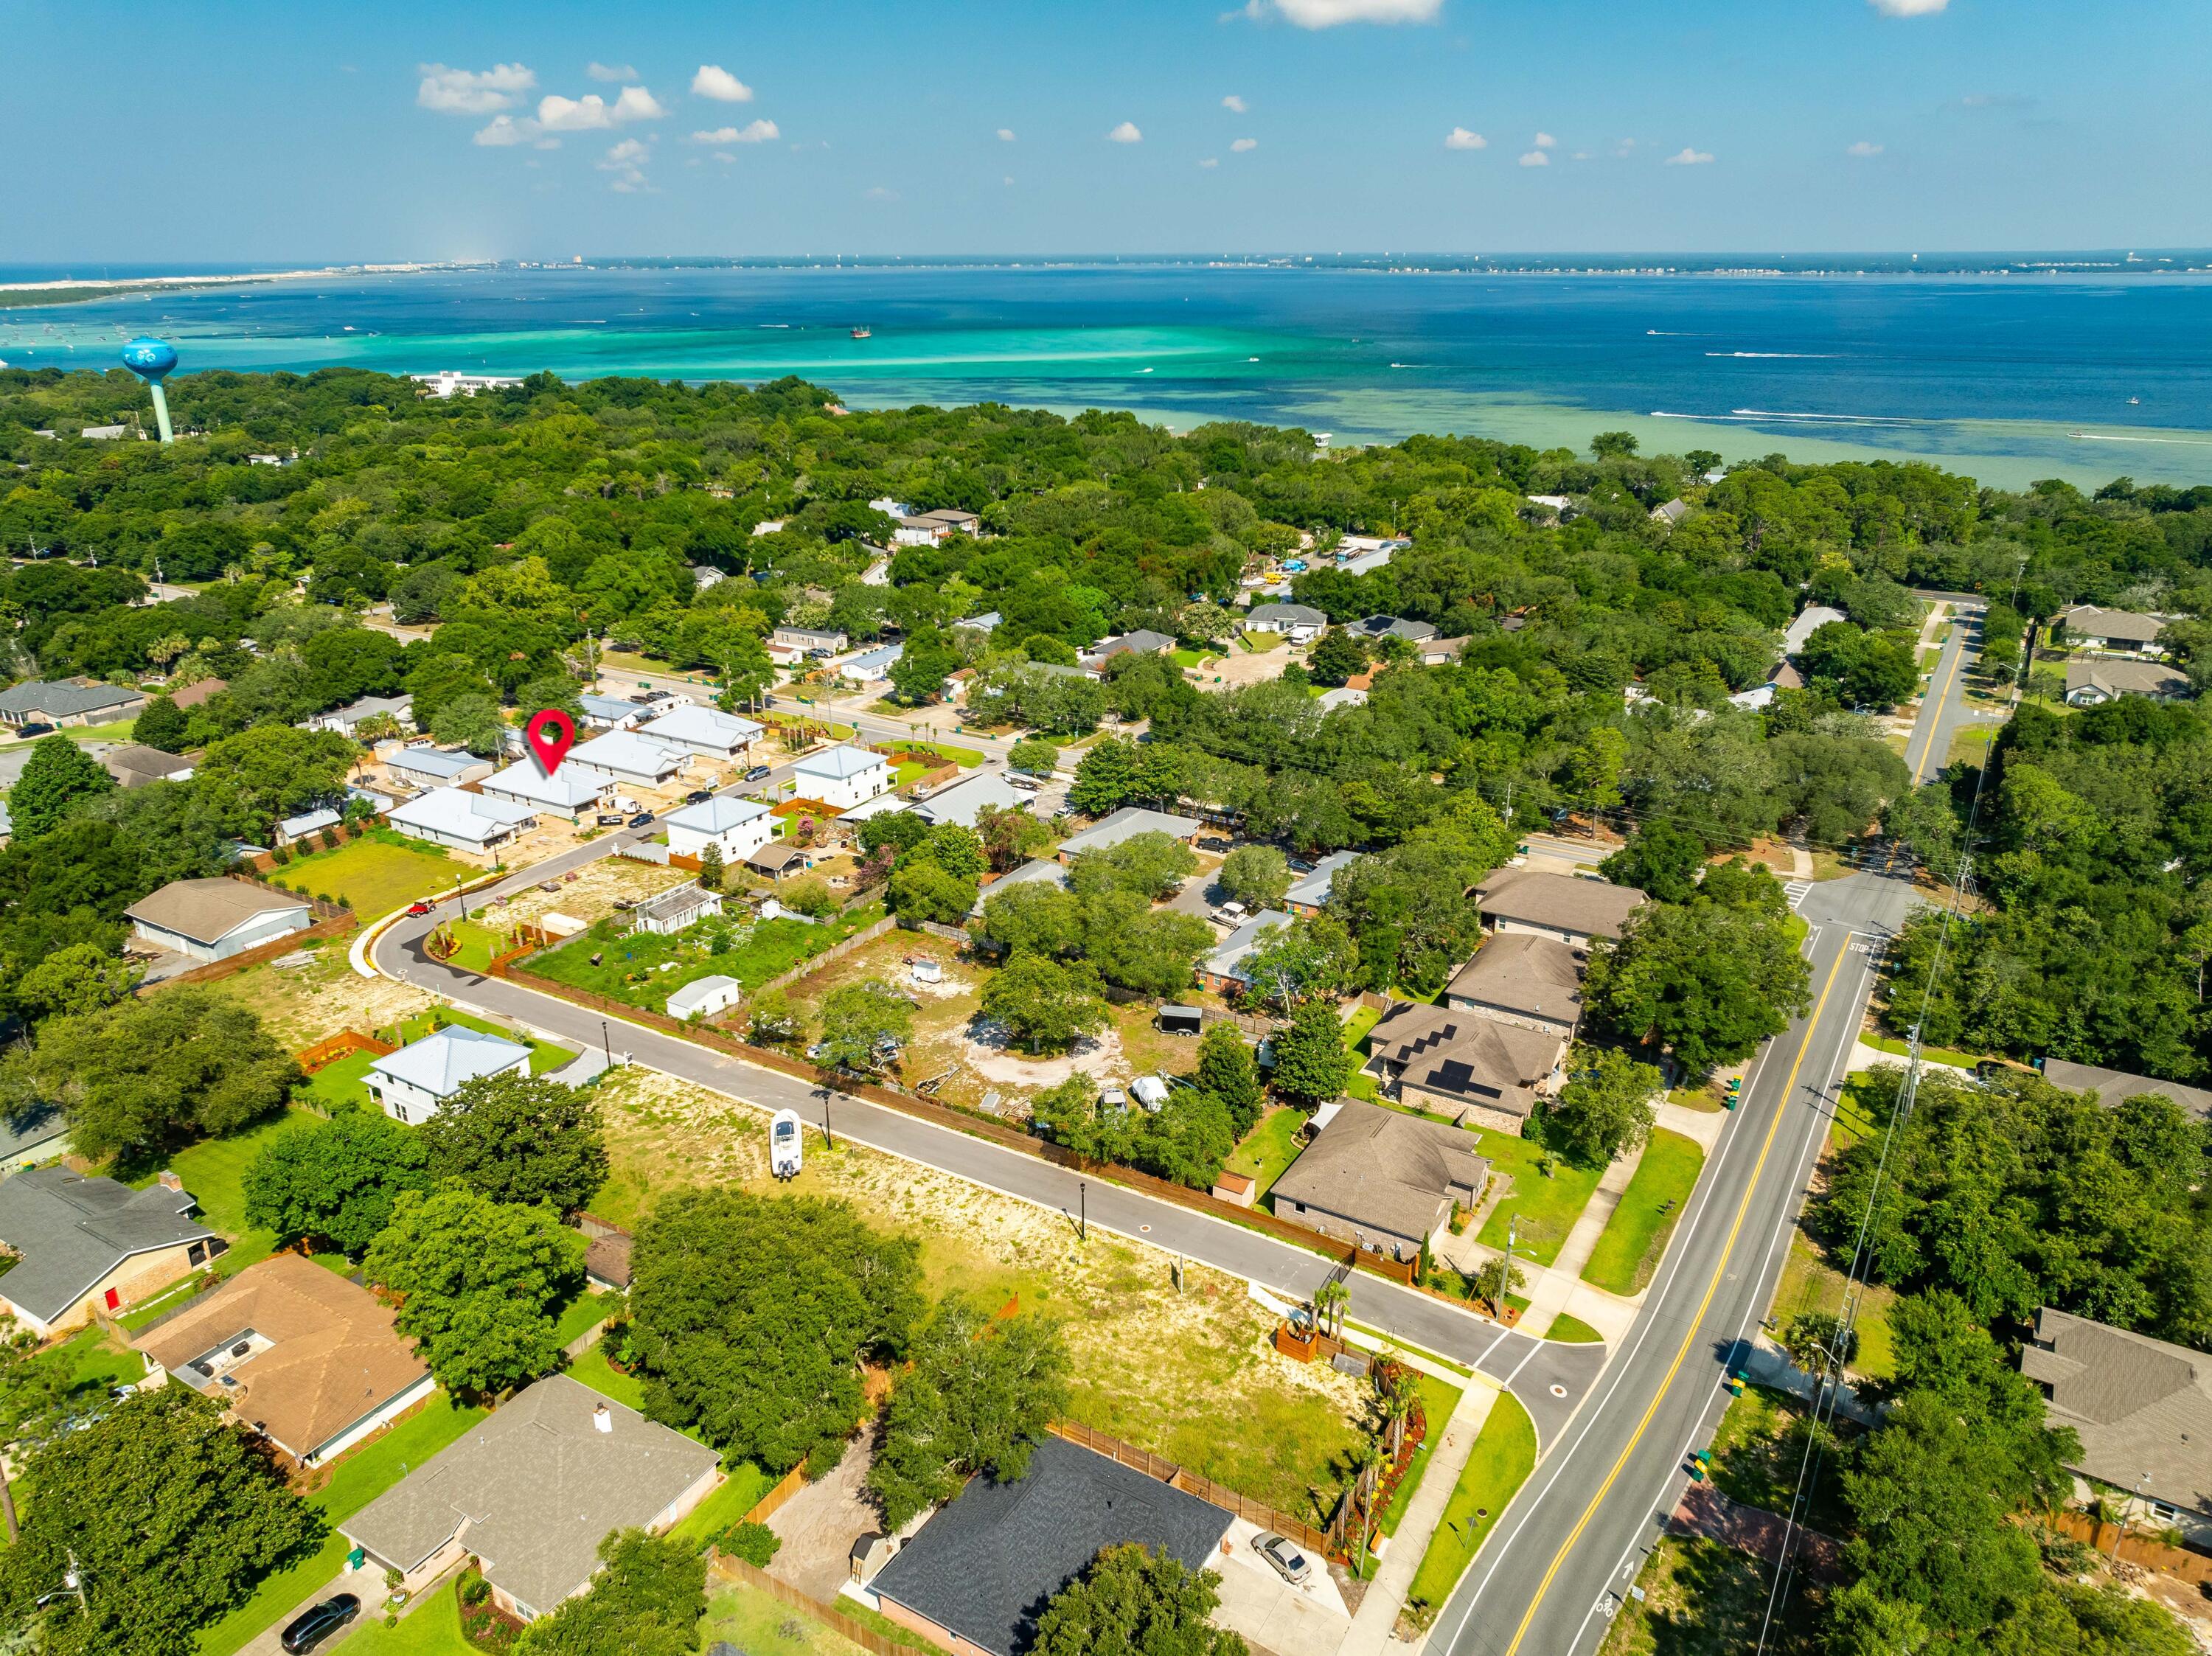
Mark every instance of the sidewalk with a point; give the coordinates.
(1559, 1287)
(1386, 1594)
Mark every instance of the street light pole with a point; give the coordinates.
(1083, 1209)
(607, 1042)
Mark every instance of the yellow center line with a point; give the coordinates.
(1690, 1336)
(1935, 723)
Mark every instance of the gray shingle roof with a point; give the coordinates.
(1466, 1056)
(1518, 972)
(2139, 1405)
(2088, 621)
(538, 1487)
(2126, 677)
(2114, 1088)
(1383, 1170)
(1589, 908)
(71, 1231)
(59, 699)
(985, 1566)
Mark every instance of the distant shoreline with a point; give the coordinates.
(77, 290)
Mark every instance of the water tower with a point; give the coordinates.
(151, 360)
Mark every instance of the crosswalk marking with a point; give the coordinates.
(1796, 891)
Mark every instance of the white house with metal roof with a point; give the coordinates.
(843, 776)
(562, 794)
(707, 731)
(435, 767)
(1309, 895)
(613, 713)
(412, 1084)
(963, 802)
(737, 827)
(462, 820)
(625, 756)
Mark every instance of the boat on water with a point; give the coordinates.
(861, 333)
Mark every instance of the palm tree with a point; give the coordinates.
(1367, 1474)
(1397, 1410)
(1329, 1301)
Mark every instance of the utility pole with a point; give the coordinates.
(1083, 1209)
(607, 1043)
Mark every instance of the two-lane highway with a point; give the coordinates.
(1572, 1542)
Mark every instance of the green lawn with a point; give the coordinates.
(213, 1171)
(358, 1479)
(738, 1494)
(1186, 659)
(1635, 1237)
(432, 1628)
(934, 754)
(1702, 1098)
(761, 1624)
(1439, 1399)
(585, 1312)
(1268, 1149)
(1503, 1457)
(346, 1081)
(1933, 1054)
(1572, 1331)
(593, 1370)
(1809, 1282)
(629, 968)
(377, 873)
(1543, 1211)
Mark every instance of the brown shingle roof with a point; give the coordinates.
(208, 909)
(332, 1360)
(1465, 1055)
(1520, 972)
(2140, 1406)
(1379, 1169)
(1590, 908)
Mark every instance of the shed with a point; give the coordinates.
(671, 911)
(704, 997)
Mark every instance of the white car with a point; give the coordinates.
(1292, 1564)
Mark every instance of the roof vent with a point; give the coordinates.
(603, 1419)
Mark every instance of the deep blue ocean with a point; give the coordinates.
(2006, 376)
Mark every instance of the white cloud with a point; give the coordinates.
(471, 92)
(1460, 138)
(626, 161)
(751, 132)
(1211, 160)
(629, 151)
(1234, 104)
(1545, 141)
(1327, 14)
(723, 156)
(1005, 135)
(1862, 149)
(1535, 158)
(1908, 8)
(506, 130)
(592, 112)
(637, 104)
(1125, 133)
(714, 82)
(599, 71)
(1688, 157)
(1239, 146)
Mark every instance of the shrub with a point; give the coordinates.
(330, 839)
(474, 1589)
(756, 1543)
(280, 856)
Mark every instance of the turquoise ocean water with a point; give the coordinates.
(2008, 378)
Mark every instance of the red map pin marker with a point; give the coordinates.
(550, 734)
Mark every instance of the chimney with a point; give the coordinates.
(170, 1181)
(603, 1419)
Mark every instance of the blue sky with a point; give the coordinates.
(250, 131)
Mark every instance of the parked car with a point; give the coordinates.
(757, 773)
(318, 1622)
(1213, 842)
(1300, 865)
(641, 819)
(1293, 1565)
(698, 795)
(418, 909)
(610, 819)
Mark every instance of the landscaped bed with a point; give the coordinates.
(630, 967)
(1635, 1237)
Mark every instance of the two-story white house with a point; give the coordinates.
(412, 1084)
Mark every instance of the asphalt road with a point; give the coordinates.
(1928, 748)
(1550, 1377)
(1578, 1532)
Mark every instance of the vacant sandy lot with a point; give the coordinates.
(300, 1004)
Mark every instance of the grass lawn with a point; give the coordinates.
(1542, 1210)
(1890, 1044)
(761, 1624)
(1572, 1331)
(1702, 1098)
(1504, 1455)
(629, 968)
(1268, 1149)
(593, 1370)
(933, 754)
(1185, 658)
(586, 1311)
(1758, 1452)
(1635, 1238)
(1809, 1282)
(1702, 1598)
(1857, 1114)
(432, 1628)
(346, 1082)
(377, 873)
(738, 1494)
(213, 1171)
(357, 1480)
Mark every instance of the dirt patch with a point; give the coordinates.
(591, 895)
(990, 1052)
(300, 1004)
(1192, 1375)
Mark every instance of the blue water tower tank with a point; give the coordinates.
(149, 358)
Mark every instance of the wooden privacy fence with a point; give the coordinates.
(789, 1485)
(836, 951)
(1177, 1475)
(335, 926)
(745, 1574)
(331, 1048)
(2176, 1562)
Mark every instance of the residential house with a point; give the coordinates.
(1144, 642)
(291, 830)
(1126, 824)
(198, 691)
(2093, 681)
(83, 1245)
(974, 1577)
(436, 767)
(613, 713)
(31, 1133)
(1343, 696)
(133, 765)
(1479, 1071)
(840, 777)
(735, 827)
(704, 997)
(1522, 978)
(301, 1354)
(412, 1084)
(1810, 620)
(1560, 506)
(2114, 1088)
(927, 528)
(559, 792)
(872, 666)
(778, 858)
(1435, 652)
(1301, 623)
(1308, 894)
(1381, 1179)
(1041, 868)
(625, 757)
(707, 731)
(531, 1490)
(1223, 970)
(671, 911)
(985, 623)
(2143, 1411)
(213, 920)
(7, 823)
(2121, 632)
(1575, 911)
(463, 821)
(347, 721)
(1669, 513)
(963, 801)
(1382, 627)
(67, 702)
(808, 640)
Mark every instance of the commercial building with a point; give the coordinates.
(213, 920)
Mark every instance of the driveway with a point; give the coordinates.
(1274, 1615)
(819, 1525)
